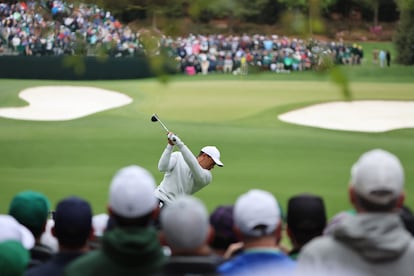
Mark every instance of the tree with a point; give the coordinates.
(312, 8)
(404, 35)
(236, 9)
(374, 6)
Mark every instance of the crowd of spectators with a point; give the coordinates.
(244, 238)
(58, 28)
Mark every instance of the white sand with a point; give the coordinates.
(60, 103)
(363, 116)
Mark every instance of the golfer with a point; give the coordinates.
(184, 173)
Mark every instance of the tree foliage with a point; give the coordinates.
(404, 35)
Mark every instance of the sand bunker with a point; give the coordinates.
(363, 116)
(60, 103)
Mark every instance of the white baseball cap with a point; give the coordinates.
(185, 223)
(131, 193)
(99, 223)
(254, 208)
(378, 171)
(11, 229)
(214, 153)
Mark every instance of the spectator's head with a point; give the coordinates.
(306, 218)
(31, 209)
(100, 226)
(14, 258)
(11, 229)
(257, 214)
(73, 222)
(99, 222)
(221, 219)
(48, 238)
(185, 225)
(377, 182)
(131, 197)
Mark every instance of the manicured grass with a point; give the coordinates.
(237, 114)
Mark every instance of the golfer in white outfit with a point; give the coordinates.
(184, 173)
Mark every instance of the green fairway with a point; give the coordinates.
(238, 115)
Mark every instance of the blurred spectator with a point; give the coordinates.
(374, 241)
(407, 217)
(14, 258)
(48, 238)
(32, 209)
(382, 58)
(72, 228)
(100, 225)
(186, 231)
(388, 58)
(11, 229)
(257, 220)
(15, 241)
(221, 219)
(306, 219)
(132, 246)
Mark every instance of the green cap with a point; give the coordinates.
(30, 209)
(14, 258)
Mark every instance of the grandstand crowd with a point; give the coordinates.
(57, 28)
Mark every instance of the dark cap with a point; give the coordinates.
(73, 221)
(306, 213)
(221, 219)
(30, 209)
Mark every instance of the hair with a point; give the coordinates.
(304, 236)
(142, 221)
(72, 241)
(407, 219)
(259, 228)
(374, 207)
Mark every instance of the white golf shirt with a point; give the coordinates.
(183, 174)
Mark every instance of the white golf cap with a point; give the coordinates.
(11, 229)
(214, 153)
(131, 194)
(254, 208)
(378, 171)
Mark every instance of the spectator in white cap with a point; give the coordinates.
(258, 222)
(131, 247)
(184, 173)
(374, 241)
(15, 242)
(186, 231)
(11, 229)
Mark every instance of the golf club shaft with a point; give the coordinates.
(158, 119)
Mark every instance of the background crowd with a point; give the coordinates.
(244, 238)
(58, 28)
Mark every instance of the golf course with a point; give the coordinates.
(238, 114)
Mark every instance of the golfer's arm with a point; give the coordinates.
(164, 162)
(199, 174)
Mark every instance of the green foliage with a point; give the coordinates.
(77, 63)
(404, 35)
(308, 4)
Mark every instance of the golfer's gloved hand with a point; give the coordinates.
(174, 139)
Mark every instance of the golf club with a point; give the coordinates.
(155, 118)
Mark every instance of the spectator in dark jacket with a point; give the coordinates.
(73, 228)
(131, 247)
